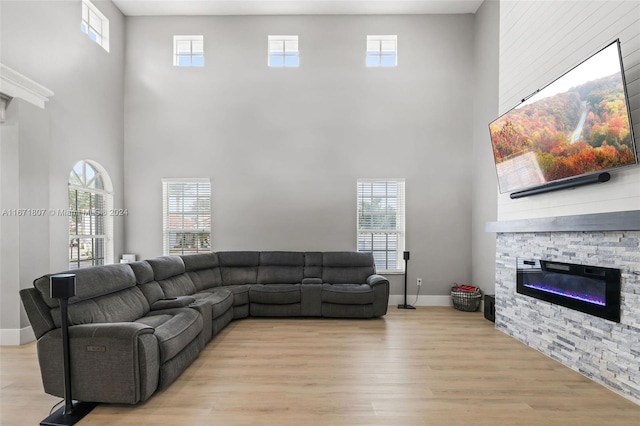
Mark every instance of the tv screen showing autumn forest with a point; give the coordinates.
(577, 125)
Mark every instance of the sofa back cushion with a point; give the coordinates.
(166, 267)
(313, 264)
(146, 282)
(281, 267)
(169, 272)
(196, 262)
(142, 270)
(347, 267)
(203, 269)
(121, 306)
(103, 294)
(91, 282)
(239, 267)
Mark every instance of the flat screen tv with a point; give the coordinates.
(578, 125)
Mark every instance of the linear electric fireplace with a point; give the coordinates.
(590, 289)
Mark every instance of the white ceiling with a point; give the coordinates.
(294, 7)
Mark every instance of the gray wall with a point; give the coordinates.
(283, 147)
(83, 120)
(485, 110)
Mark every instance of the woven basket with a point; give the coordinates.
(465, 300)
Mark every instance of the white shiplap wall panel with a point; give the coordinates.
(544, 60)
(541, 40)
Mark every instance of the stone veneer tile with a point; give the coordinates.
(602, 350)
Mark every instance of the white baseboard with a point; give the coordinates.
(426, 301)
(422, 300)
(16, 336)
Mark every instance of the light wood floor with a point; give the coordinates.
(432, 366)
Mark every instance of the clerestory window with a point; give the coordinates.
(95, 24)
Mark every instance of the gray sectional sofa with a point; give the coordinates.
(137, 326)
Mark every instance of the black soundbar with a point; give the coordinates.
(565, 184)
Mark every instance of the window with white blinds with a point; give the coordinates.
(381, 222)
(283, 51)
(95, 24)
(382, 51)
(187, 216)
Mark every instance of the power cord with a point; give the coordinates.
(417, 294)
(55, 405)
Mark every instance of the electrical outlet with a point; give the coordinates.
(419, 282)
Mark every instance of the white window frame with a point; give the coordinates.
(196, 49)
(82, 179)
(179, 235)
(94, 24)
(284, 47)
(379, 48)
(372, 192)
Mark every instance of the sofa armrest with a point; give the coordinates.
(374, 280)
(38, 312)
(380, 286)
(110, 362)
(205, 309)
(172, 302)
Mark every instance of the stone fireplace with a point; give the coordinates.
(604, 350)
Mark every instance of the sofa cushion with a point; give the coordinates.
(142, 270)
(144, 277)
(91, 282)
(166, 266)
(347, 294)
(178, 285)
(221, 300)
(280, 267)
(152, 291)
(312, 264)
(122, 306)
(239, 258)
(239, 267)
(196, 262)
(347, 267)
(281, 258)
(203, 269)
(280, 274)
(206, 278)
(275, 294)
(240, 293)
(174, 329)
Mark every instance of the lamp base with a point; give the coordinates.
(405, 306)
(79, 410)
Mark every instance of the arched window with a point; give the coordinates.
(90, 224)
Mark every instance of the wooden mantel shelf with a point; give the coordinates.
(615, 221)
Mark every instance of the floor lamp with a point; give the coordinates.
(406, 262)
(63, 286)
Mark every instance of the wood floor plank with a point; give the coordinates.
(431, 366)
